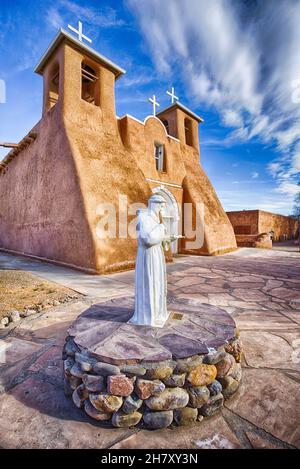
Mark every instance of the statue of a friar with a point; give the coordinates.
(150, 272)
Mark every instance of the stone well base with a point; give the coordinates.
(129, 374)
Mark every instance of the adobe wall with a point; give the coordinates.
(262, 241)
(260, 221)
(283, 227)
(42, 210)
(244, 222)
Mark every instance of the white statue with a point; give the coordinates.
(150, 272)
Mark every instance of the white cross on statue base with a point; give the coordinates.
(79, 33)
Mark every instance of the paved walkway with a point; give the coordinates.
(260, 288)
(290, 246)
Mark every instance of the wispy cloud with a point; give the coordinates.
(254, 175)
(138, 79)
(242, 58)
(103, 17)
(96, 16)
(54, 18)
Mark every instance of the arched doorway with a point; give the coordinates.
(171, 216)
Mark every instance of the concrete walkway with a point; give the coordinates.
(260, 288)
(91, 285)
(289, 246)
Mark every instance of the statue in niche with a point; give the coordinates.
(150, 272)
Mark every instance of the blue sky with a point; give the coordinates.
(236, 63)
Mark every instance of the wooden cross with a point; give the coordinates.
(79, 33)
(173, 95)
(154, 104)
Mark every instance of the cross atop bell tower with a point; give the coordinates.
(79, 32)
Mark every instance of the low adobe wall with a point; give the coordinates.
(262, 241)
(284, 227)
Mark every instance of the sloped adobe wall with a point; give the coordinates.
(218, 232)
(41, 207)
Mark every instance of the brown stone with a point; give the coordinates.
(236, 372)
(175, 381)
(159, 373)
(214, 357)
(185, 416)
(105, 369)
(119, 385)
(229, 385)
(186, 365)
(68, 364)
(202, 375)
(131, 404)
(86, 362)
(74, 382)
(212, 405)
(169, 399)
(79, 395)
(136, 370)
(93, 383)
(158, 420)
(70, 348)
(121, 419)
(145, 388)
(235, 348)
(106, 402)
(225, 365)
(94, 413)
(77, 371)
(198, 395)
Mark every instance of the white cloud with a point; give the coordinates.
(100, 16)
(231, 118)
(242, 58)
(274, 168)
(54, 18)
(254, 175)
(289, 188)
(295, 165)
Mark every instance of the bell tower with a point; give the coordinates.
(181, 123)
(77, 78)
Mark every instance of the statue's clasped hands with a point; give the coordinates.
(170, 239)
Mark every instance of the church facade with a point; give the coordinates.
(80, 156)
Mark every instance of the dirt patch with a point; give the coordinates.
(21, 290)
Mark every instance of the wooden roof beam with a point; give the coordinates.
(8, 145)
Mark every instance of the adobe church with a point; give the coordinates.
(80, 155)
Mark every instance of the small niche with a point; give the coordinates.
(89, 84)
(188, 129)
(53, 86)
(166, 124)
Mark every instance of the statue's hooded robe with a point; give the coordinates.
(150, 273)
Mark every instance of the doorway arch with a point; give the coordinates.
(171, 216)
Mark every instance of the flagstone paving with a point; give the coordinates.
(259, 288)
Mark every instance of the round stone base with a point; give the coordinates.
(129, 374)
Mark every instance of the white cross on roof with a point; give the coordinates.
(79, 33)
(154, 103)
(172, 94)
